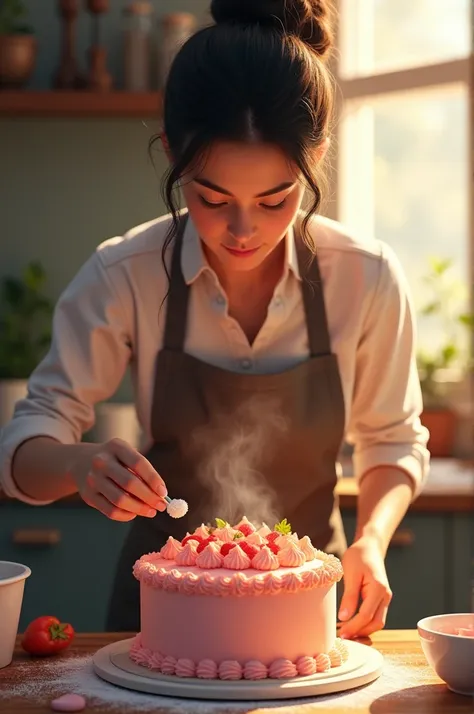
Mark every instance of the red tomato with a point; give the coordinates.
(47, 635)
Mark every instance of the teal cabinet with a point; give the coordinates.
(71, 578)
(428, 566)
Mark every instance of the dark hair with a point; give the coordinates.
(259, 72)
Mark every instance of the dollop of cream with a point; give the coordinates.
(265, 560)
(305, 545)
(185, 668)
(253, 669)
(282, 669)
(188, 555)
(264, 530)
(323, 662)
(169, 665)
(202, 531)
(226, 534)
(171, 549)
(283, 539)
(206, 669)
(230, 670)
(236, 559)
(210, 557)
(291, 556)
(255, 539)
(305, 666)
(177, 508)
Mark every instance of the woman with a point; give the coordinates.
(259, 335)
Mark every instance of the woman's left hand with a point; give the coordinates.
(365, 578)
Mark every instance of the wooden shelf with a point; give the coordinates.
(80, 104)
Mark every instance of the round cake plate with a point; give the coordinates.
(113, 664)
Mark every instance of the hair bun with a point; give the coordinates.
(310, 20)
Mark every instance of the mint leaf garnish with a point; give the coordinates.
(283, 527)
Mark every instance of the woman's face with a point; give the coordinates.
(242, 202)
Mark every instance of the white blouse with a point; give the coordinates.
(110, 317)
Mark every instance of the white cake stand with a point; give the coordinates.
(113, 664)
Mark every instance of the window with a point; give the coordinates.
(404, 164)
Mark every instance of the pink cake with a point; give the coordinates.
(238, 603)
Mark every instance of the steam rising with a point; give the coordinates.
(234, 451)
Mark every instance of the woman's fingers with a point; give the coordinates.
(133, 485)
(137, 463)
(375, 597)
(102, 504)
(123, 500)
(379, 619)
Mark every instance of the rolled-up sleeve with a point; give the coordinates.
(87, 359)
(385, 427)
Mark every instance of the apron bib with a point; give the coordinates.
(202, 436)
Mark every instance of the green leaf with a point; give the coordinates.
(440, 266)
(238, 535)
(34, 276)
(220, 523)
(449, 353)
(431, 308)
(467, 319)
(283, 527)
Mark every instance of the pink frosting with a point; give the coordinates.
(156, 661)
(265, 560)
(207, 669)
(305, 666)
(255, 670)
(230, 669)
(185, 668)
(282, 669)
(336, 657)
(291, 556)
(171, 549)
(226, 534)
(323, 662)
(306, 547)
(166, 575)
(188, 555)
(236, 559)
(255, 539)
(264, 530)
(168, 665)
(202, 531)
(210, 557)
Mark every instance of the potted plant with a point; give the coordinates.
(25, 334)
(18, 46)
(450, 361)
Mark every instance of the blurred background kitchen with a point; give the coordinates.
(79, 100)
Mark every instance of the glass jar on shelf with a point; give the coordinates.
(137, 45)
(175, 29)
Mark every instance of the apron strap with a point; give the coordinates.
(313, 298)
(178, 296)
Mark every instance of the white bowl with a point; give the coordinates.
(450, 655)
(12, 586)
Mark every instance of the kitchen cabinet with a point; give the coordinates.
(428, 566)
(72, 551)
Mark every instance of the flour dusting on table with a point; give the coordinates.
(76, 675)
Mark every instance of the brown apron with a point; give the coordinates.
(199, 410)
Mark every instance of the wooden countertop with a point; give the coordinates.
(429, 695)
(449, 488)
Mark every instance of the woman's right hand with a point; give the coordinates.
(118, 481)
